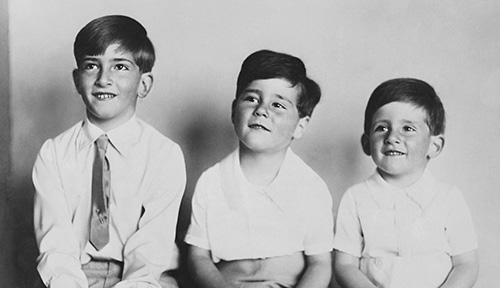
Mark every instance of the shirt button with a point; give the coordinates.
(378, 263)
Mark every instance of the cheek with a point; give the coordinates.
(237, 120)
(375, 143)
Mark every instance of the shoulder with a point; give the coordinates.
(360, 189)
(64, 140)
(447, 194)
(307, 184)
(214, 172)
(357, 193)
(300, 170)
(155, 140)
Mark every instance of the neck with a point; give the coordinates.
(108, 124)
(260, 168)
(401, 181)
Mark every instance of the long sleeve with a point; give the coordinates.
(59, 259)
(148, 251)
(148, 179)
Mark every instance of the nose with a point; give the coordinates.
(261, 111)
(392, 137)
(103, 78)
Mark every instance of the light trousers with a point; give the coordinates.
(283, 271)
(105, 274)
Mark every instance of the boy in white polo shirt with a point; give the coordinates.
(262, 217)
(401, 227)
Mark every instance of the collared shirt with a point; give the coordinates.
(413, 231)
(235, 219)
(147, 182)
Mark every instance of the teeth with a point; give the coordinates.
(104, 96)
(393, 153)
(258, 126)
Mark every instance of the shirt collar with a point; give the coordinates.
(280, 190)
(121, 138)
(421, 192)
(283, 181)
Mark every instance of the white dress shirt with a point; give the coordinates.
(147, 182)
(404, 237)
(235, 219)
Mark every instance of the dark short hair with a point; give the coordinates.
(100, 33)
(266, 64)
(409, 90)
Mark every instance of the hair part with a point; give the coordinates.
(409, 90)
(266, 64)
(100, 33)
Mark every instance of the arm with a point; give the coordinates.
(461, 235)
(58, 262)
(347, 272)
(464, 272)
(318, 271)
(148, 252)
(203, 270)
(319, 238)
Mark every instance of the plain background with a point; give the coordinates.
(349, 48)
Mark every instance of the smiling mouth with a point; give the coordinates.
(104, 96)
(258, 127)
(393, 153)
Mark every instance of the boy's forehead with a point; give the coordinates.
(404, 107)
(115, 48)
(113, 52)
(276, 86)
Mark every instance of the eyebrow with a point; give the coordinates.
(96, 58)
(257, 91)
(403, 121)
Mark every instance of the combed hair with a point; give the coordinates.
(266, 64)
(100, 33)
(409, 90)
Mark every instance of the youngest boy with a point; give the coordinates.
(401, 227)
(262, 217)
(108, 189)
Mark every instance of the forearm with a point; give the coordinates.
(203, 270)
(347, 272)
(136, 284)
(58, 263)
(318, 271)
(59, 260)
(148, 251)
(352, 277)
(464, 272)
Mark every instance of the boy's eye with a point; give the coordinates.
(380, 128)
(121, 67)
(409, 129)
(89, 66)
(250, 98)
(279, 105)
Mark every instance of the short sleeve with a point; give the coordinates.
(319, 238)
(348, 234)
(459, 226)
(197, 234)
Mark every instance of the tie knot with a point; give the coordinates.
(102, 142)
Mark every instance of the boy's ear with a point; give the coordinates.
(365, 143)
(145, 85)
(233, 109)
(436, 146)
(76, 80)
(301, 127)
